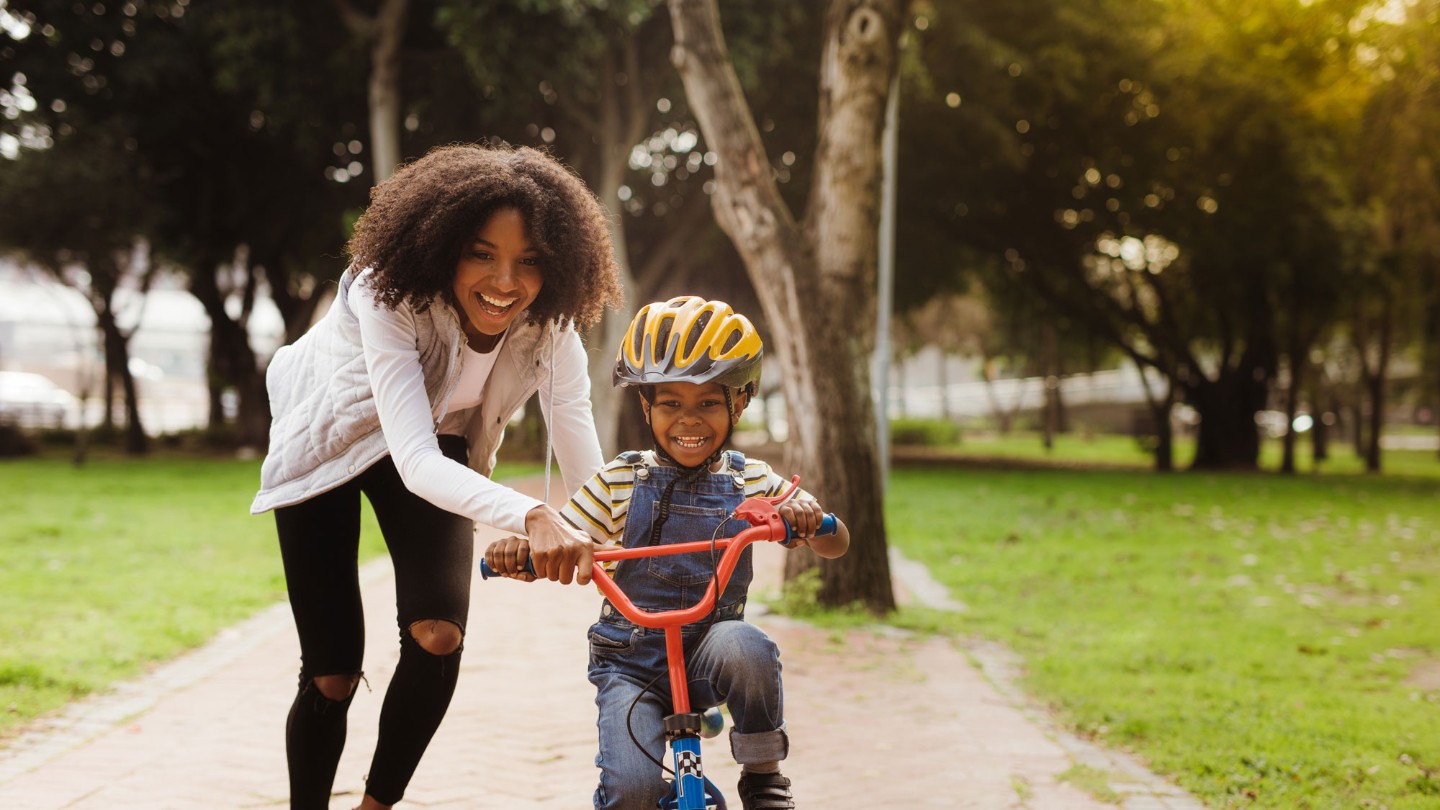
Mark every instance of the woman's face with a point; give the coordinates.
(498, 275)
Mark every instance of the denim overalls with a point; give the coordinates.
(732, 662)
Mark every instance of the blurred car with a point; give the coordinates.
(30, 400)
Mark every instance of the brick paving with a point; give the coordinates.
(877, 719)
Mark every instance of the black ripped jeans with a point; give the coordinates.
(433, 553)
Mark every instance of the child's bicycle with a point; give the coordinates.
(691, 789)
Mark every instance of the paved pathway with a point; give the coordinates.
(876, 719)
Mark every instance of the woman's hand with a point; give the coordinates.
(507, 558)
(558, 551)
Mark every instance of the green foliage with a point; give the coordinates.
(1264, 641)
(800, 597)
(1175, 178)
(924, 432)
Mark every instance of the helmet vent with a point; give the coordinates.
(637, 338)
(688, 339)
(696, 331)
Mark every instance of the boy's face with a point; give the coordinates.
(690, 421)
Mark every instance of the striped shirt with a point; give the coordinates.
(600, 507)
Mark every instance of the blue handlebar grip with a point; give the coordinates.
(828, 525)
(487, 572)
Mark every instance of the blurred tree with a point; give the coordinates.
(236, 113)
(292, 84)
(263, 105)
(586, 77)
(591, 80)
(1167, 175)
(814, 277)
(73, 191)
(384, 32)
(76, 209)
(1397, 296)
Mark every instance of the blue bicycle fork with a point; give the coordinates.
(692, 789)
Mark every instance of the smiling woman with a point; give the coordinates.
(471, 271)
(497, 278)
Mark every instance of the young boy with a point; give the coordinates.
(695, 364)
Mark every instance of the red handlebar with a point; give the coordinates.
(765, 524)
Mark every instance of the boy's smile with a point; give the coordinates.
(689, 421)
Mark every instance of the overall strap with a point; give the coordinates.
(737, 460)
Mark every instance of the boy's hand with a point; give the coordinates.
(507, 557)
(804, 517)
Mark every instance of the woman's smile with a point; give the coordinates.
(498, 275)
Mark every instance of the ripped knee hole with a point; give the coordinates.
(336, 687)
(437, 636)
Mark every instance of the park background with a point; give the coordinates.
(1151, 286)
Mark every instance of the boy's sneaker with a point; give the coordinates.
(765, 791)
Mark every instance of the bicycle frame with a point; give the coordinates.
(692, 790)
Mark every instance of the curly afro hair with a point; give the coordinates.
(421, 219)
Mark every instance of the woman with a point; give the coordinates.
(469, 274)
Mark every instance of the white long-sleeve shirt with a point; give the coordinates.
(368, 381)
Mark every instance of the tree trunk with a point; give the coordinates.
(1160, 410)
(621, 124)
(1228, 438)
(1050, 390)
(1048, 415)
(105, 273)
(946, 411)
(385, 32)
(1292, 402)
(107, 389)
(1373, 378)
(385, 88)
(233, 363)
(815, 283)
(1375, 390)
(296, 302)
(1165, 434)
(1004, 415)
(117, 346)
(1319, 443)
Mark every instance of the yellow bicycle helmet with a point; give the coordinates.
(689, 339)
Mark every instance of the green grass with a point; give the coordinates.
(116, 566)
(1265, 641)
(1068, 448)
(1126, 451)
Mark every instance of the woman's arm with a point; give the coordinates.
(570, 413)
